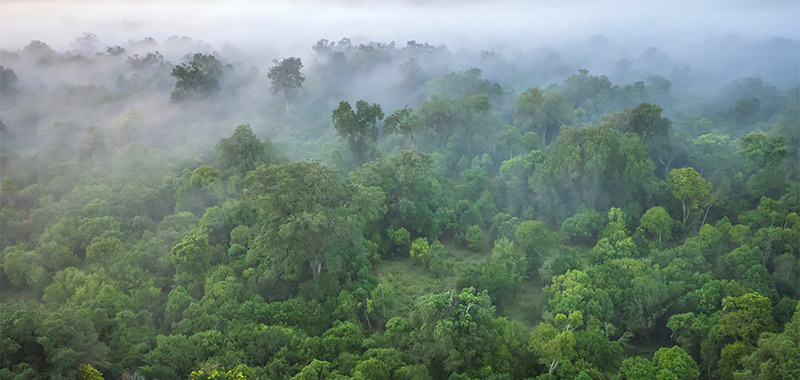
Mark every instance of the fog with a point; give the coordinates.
(292, 26)
(699, 48)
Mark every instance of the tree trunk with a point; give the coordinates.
(683, 206)
(704, 217)
(544, 136)
(553, 366)
(367, 315)
(383, 301)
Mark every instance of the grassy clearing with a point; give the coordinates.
(526, 306)
(411, 281)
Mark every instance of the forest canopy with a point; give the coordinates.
(393, 211)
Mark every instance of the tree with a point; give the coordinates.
(575, 290)
(403, 121)
(358, 127)
(474, 238)
(429, 255)
(416, 199)
(583, 227)
(24, 267)
(674, 364)
(286, 77)
(690, 188)
(241, 372)
(197, 79)
(69, 337)
(510, 138)
(542, 112)
(243, 152)
(594, 166)
(766, 155)
(192, 257)
(776, 357)
(745, 317)
(8, 80)
(371, 369)
(315, 370)
(534, 240)
(554, 341)
(453, 331)
(656, 220)
(309, 223)
(637, 368)
(505, 270)
(646, 121)
(87, 372)
(746, 111)
(591, 94)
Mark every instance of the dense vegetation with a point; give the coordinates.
(445, 226)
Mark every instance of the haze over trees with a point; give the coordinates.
(514, 217)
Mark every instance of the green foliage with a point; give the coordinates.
(197, 78)
(23, 267)
(317, 369)
(8, 80)
(87, 372)
(745, 317)
(358, 127)
(534, 241)
(451, 332)
(504, 272)
(645, 120)
(285, 75)
(583, 227)
(404, 122)
(243, 152)
(134, 247)
(475, 239)
(776, 357)
(674, 363)
(691, 189)
(543, 113)
(192, 254)
(637, 368)
(429, 255)
(416, 199)
(241, 372)
(401, 239)
(656, 221)
(309, 222)
(766, 155)
(595, 167)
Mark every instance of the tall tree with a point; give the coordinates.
(311, 224)
(197, 79)
(286, 77)
(597, 166)
(542, 113)
(657, 221)
(358, 127)
(690, 188)
(405, 122)
(766, 155)
(243, 151)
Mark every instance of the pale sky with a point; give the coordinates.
(293, 26)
